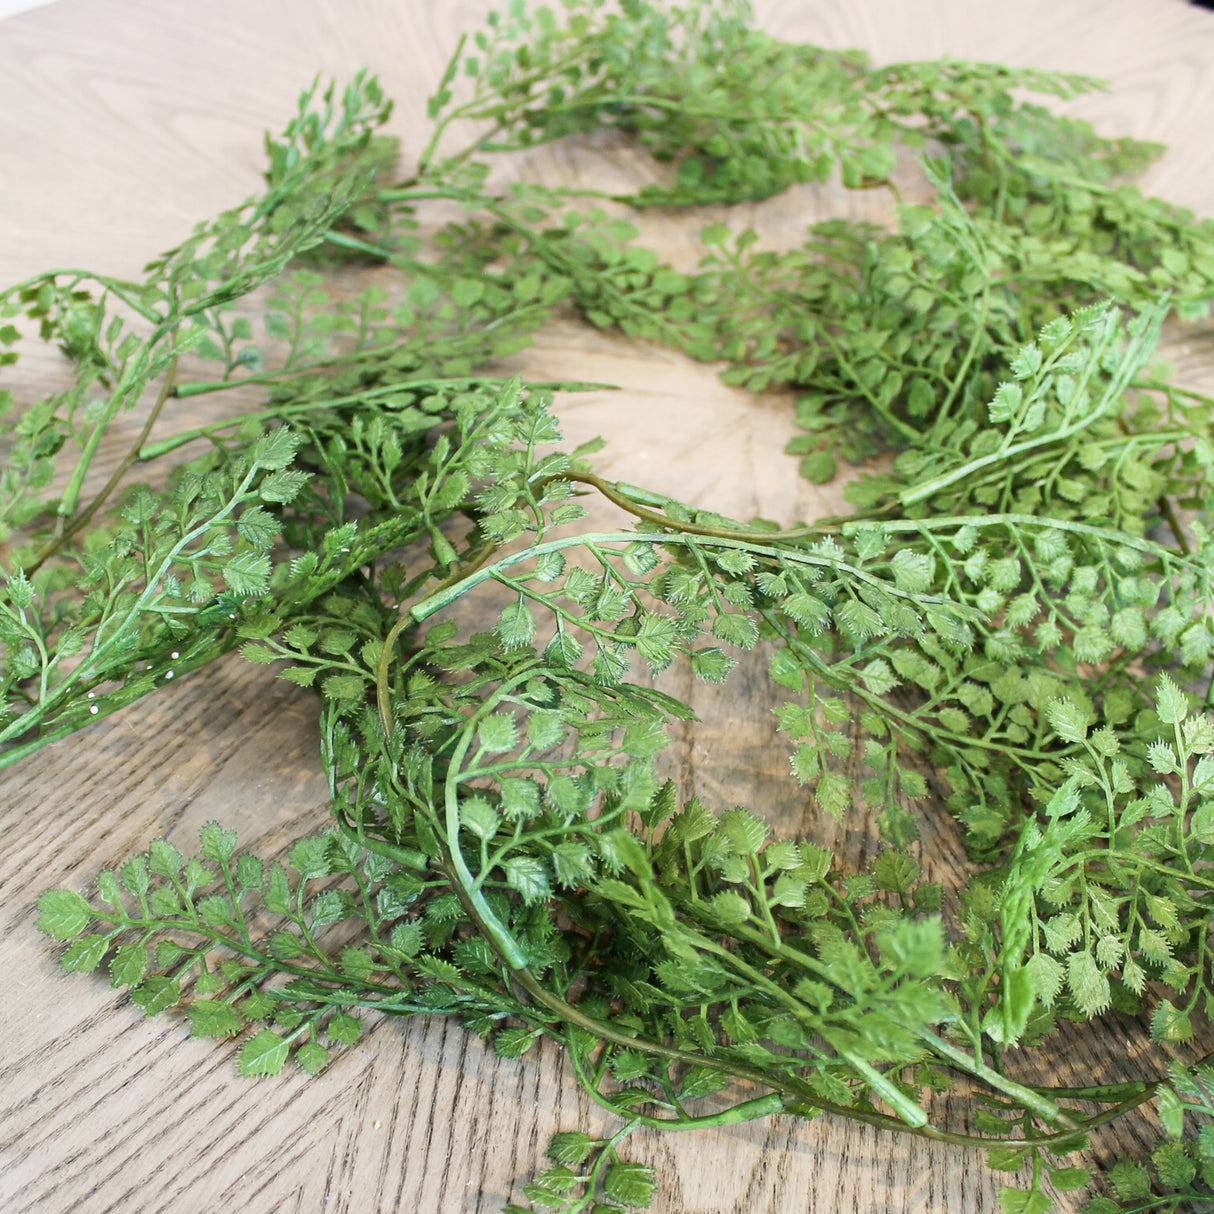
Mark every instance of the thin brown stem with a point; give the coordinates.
(115, 480)
(479, 557)
(613, 495)
(1169, 513)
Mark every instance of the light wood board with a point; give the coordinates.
(123, 122)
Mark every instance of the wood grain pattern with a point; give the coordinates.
(123, 122)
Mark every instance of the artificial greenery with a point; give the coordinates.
(1013, 626)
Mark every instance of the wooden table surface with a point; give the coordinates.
(122, 122)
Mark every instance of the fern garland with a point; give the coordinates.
(1019, 607)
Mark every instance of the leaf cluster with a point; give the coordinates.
(1012, 627)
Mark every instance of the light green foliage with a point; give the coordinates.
(183, 936)
(1012, 628)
